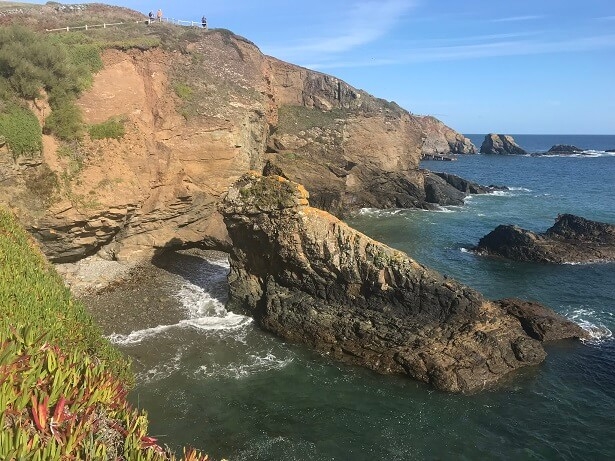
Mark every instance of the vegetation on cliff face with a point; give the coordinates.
(21, 130)
(62, 385)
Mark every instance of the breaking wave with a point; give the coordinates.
(592, 322)
(252, 364)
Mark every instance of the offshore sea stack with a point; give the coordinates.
(571, 239)
(308, 277)
(501, 144)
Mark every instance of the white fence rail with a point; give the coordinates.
(184, 23)
(86, 27)
(179, 22)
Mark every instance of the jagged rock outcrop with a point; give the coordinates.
(196, 119)
(308, 277)
(540, 322)
(440, 139)
(571, 239)
(564, 149)
(501, 144)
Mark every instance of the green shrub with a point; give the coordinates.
(87, 60)
(110, 129)
(183, 91)
(21, 130)
(30, 62)
(65, 122)
(43, 182)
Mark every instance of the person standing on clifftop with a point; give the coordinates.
(204, 22)
(159, 15)
(151, 17)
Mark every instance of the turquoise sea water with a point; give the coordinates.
(215, 381)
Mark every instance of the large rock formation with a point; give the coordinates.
(308, 277)
(440, 139)
(570, 239)
(501, 144)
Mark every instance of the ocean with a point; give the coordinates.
(211, 379)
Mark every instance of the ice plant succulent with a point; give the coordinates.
(63, 388)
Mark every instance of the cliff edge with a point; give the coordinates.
(199, 108)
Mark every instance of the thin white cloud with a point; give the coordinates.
(362, 23)
(517, 18)
(606, 18)
(478, 51)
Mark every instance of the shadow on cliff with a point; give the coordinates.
(206, 269)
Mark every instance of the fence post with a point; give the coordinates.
(86, 27)
(104, 25)
(67, 29)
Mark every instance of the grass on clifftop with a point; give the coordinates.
(62, 385)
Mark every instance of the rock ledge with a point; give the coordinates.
(571, 239)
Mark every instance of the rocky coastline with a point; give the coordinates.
(572, 239)
(307, 277)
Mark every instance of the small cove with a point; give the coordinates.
(213, 380)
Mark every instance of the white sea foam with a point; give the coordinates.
(591, 322)
(203, 312)
(501, 193)
(254, 363)
(162, 370)
(446, 209)
(521, 189)
(584, 154)
(375, 212)
(136, 337)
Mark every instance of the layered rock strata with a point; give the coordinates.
(571, 239)
(440, 139)
(308, 277)
(195, 121)
(501, 144)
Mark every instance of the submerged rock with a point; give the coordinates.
(308, 277)
(571, 239)
(501, 144)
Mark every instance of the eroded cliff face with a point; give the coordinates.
(441, 139)
(308, 277)
(195, 121)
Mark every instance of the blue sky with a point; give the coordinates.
(515, 66)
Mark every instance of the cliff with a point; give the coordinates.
(441, 139)
(308, 277)
(199, 109)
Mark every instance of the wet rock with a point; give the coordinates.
(571, 239)
(564, 149)
(541, 323)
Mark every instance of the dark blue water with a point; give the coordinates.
(541, 143)
(216, 382)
